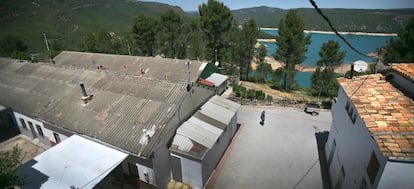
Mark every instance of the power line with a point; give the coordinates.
(334, 29)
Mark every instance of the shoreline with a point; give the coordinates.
(266, 40)
(342, 33)
(341, 69)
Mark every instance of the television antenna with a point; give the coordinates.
(360, 66)
(188, 63)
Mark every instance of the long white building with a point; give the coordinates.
(131, 104)
(371, 142)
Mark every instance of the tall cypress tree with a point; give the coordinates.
(292, 46)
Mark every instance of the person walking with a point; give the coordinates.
(262, 117)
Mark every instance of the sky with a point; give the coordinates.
(192, 5)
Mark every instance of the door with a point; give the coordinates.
(34, 134)
(176, 168)
(133, 170)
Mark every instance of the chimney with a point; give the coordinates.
(85, 98)
(352, 71)
(83, 89)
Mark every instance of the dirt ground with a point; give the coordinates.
(280, 95)
(342, 69)
(30, 150)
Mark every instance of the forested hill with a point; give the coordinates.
(383, 21)
(67, 21)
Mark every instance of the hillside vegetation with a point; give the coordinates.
(67, 21)
(361, 20)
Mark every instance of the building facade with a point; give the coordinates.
(372, 133)
(132, 104)
(201, 141)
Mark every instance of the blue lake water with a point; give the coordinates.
(364, 43)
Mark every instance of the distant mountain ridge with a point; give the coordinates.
(353, 20)
(67, 21)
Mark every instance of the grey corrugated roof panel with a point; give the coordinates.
(121, 107)
(226, 103)
(154, 67)
(217, 79)
(220, 109)
(210, 120)
(217, 112)
(194, 137)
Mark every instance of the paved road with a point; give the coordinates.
(281, 154)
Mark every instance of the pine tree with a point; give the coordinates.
(292, 46)
(171, 26)
(215, 21)
(402, 48)
(323, 79)
(145, 29)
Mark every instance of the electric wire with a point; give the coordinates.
(319, 11)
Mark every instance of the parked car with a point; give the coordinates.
(312, 108)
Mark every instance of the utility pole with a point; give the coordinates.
(188, 63)
(48, 50)
(216, 63)
(129, 48)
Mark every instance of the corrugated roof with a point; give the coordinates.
(122, 105)
(77, 162)
(154, 67)
(199, 134)
(220, 109)
(387, 113)
(405, 69)
(217, 79)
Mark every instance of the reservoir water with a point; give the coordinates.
(364, 43)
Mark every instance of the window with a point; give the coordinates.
(347, 106)
(57, 138)
(23, 123)
(331, 154)
(341, 178)
(39, 130)
(350, 110)
(353, 118)
(373, 168)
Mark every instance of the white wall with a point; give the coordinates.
(354, 146)
(48, 134)
(144, 169)
(397, 175)
(161, 162)
(191, 173)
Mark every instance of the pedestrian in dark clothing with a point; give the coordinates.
(262, 117)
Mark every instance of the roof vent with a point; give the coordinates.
(85, 98)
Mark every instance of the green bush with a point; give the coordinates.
(251, 94)
(269, 98)
(240, 91)
(260, 95)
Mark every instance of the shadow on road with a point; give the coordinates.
(321, 138)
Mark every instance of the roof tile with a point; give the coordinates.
(405, 69)
(387, 112)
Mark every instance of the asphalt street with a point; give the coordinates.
(280, 154)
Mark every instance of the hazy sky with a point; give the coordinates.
(191, 5)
